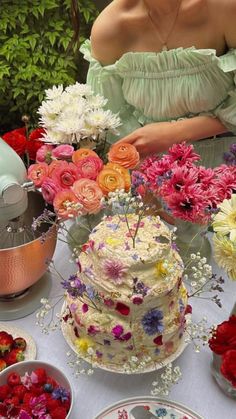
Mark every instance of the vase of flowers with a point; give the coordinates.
(188, 191)
(223, 346)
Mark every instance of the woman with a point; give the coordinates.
(168, 68)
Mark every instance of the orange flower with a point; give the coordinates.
(82, 153)
(124, 154)
(37, 173)
(66, 204)
(109, 180)
(123, 172)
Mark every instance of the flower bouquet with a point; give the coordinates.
(223, 346)
(187, 190)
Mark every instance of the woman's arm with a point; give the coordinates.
(158, 137)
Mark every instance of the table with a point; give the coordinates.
(197, 388)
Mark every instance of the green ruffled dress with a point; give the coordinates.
(145, 87)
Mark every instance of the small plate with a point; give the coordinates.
(68, 333)
(158, 408)
(30, 351)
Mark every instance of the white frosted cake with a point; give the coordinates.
(132, 304)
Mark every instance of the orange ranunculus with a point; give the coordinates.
(89, 195)
(66, 204)
(124, 173)
(124, 154)
(110, 180)
(82, 153)
(37, 173)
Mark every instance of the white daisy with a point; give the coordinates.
(225, 221)
(54, 92)
(225, 254)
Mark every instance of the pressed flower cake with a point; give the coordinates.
(127, 303)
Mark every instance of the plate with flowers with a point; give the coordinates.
(16, 345)
(147, 407)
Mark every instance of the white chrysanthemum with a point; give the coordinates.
(102, 119)
(53, 107)
(70, 124)
(225, 221)
(54, 93)
(79, 89)
(55, 137)
(225, 254)
(97, 101)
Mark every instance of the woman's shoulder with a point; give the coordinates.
(224, 13)
(110, 31)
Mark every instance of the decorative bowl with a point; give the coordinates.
(24, 264)
(29, 366)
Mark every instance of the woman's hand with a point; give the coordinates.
(153, 138)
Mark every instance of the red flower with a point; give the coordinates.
(188, 309)
(228, 366)
(224, 338)
(34, 143)
(16, 139)
(122, 309)
(158, 340)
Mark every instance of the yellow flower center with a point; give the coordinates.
(161, 270)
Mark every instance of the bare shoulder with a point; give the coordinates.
(110, 31)
(226, 12)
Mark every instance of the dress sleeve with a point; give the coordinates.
(226, 111)
(106, 82)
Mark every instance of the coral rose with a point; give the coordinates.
(82, 153)
(44, 153)
(66, 204)
(37, 173)
(124, 154)
(89, 167)
(63, 152)
(49, 189)
(228, 366)
(89, 195)
(65, 174)
(124, 173)
(224, 338)
(110, 180)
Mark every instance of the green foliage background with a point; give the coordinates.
(36, 52)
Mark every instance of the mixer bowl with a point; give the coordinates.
(23, 265)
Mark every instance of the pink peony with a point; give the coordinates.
(63, 152)
(44, 154)
(66, 204)
(65, 174)
(49, 189)
(89, 195)
(89, 167)
(37, 173)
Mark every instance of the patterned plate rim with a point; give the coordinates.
(145, 400)
(67, 329)
(31, 350)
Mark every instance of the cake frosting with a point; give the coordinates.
(131, 310)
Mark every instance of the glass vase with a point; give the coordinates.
(222, 382)
(80, 230)
(191, 238)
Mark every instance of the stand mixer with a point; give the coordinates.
(23, 253)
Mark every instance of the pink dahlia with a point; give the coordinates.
(114, 270)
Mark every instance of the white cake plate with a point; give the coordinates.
(154, 407)
(68, 333)
(30, 351)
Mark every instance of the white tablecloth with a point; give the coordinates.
(197, 388)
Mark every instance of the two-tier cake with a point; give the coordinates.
(132, 305)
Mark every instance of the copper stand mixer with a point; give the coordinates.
(23, 253)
